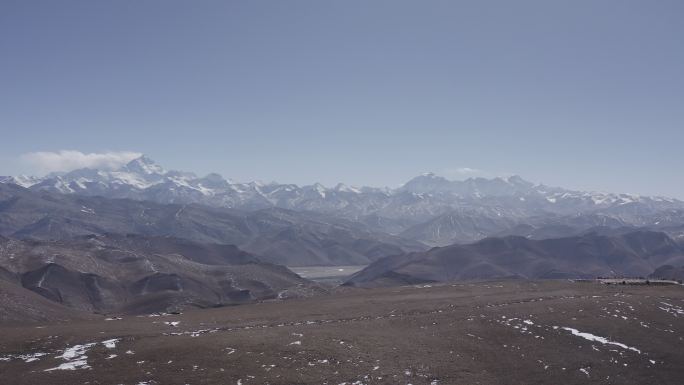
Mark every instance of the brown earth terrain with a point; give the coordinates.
(632, 254)
(493, 332)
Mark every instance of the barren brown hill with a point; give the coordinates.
(115, 273)
(278, 235)
(587, 256)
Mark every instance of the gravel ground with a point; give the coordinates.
(493, 332)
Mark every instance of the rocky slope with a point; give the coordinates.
(277, 235)
(675, 273)
(428, 208)
(587, 256)
(135, 274)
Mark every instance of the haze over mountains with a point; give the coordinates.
(428, 208)
(591, 255)
(141, 238)
(137, 274)
(277, 235)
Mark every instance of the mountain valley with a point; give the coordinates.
(131, 276)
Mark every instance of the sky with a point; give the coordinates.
(582, 94)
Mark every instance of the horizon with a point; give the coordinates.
(586, 95)
(334, 185)
(341, 192)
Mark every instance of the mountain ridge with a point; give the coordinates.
(428, 208)
(137, 274)
(637, 253)
(143, 173)
(304, 238)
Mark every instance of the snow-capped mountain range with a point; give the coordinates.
(474, 203)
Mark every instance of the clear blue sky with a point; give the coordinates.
(581, 94)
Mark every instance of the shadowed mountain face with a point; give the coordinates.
(277, 235)
(428, 208)
(137, 274)
(463, 226)
(587, 256)
(669, 272)
(18, 306)
(467, 225)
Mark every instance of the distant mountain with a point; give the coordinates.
(669, 272)
(468, 225)
(428, 208)
(18, 306)
(587, 256)
(464, 225)
(135, 274)
(276, 235)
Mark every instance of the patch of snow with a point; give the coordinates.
(76, 351)
(602, 340)
(24, 357)
(75, 357)
(71, 365)
(111, 344)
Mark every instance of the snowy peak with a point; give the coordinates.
(421, 198)
(214, 181)
(21, 180)
(341, 187)
(427, 183)
(318, 189)
(143, 165)
(516, 180)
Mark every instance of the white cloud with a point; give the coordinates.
(467, 170)
(461, 172)
(68, 160)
